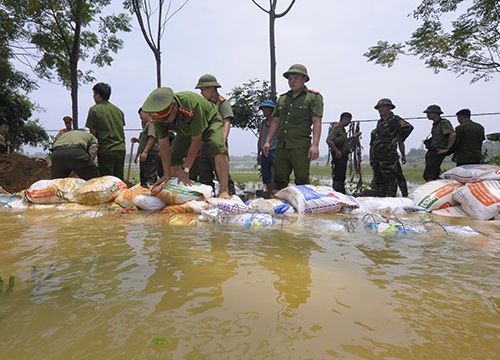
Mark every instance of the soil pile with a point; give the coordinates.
(18, 172)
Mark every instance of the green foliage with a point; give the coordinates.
(471, 46)
(15, 107)
(245, 100)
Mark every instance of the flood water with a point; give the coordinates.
(98, 285)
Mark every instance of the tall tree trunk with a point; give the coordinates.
(272, 48)
(73, 65)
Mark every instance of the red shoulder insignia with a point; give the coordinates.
(336, 125)
(313, 91)
(186, 112)
(221, 98)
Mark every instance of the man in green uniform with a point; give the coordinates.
(4, 130)
(340, 148)
(208, 86)
(439, 144)
(384, 157)
(470, 137)
(148, 154)
(195, 121)
(75, 151)
(296, 111)
(106, 123)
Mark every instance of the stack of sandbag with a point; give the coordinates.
(480, 194)
(467, 190)
(308, 199)
(73, 190)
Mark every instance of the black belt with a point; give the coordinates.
(65, 147)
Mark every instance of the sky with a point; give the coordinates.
(230, 39)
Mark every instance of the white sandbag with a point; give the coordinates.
(272, 206)
(99, 190)
(234, 205)
(125, 197)
(480, 199)
(315, 199)
(148, 202)
(253, 220)
(53, 191)
(451, 211)
(175, 193)
(369, 204)
(473, 173)
(437, 194)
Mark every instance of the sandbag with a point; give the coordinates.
(451, 211)
(315, 199)
(175, 193)
(437, 194)
(53, 191)
(369, 204)
(148, 202)
(473, 173)
(125, 197)
(272, 206)
(99, 190)
(480, 199)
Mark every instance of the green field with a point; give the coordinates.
(246, 175)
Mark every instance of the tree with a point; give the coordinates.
(272, 43)
(245, 101)
(63, 34)
(15, 107)
(153, 33)
(471, 46)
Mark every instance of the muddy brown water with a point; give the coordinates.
(101, 285)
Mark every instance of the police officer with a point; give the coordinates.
(384, 158)
(208, 85)
(76, 151)
(340, 148)
(106, 122)
(469, 141)
(297, 111)
(195, 121)
(439, 144)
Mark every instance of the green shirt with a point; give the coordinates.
(224, 107)
(469, 141)
(338, 135)
(440, 133)
(87, 141)
(108, 120)
(194, 115)
(149, 130)
(2, 141)
(295, 116)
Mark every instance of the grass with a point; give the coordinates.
(245, 172)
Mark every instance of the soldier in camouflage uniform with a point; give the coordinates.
(297, 114)
(384, 156)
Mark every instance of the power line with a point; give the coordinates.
(416, 117)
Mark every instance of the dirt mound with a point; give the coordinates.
(18, 172)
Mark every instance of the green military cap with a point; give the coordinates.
(207, 80)
(385, 101)
(158, 100)
(297, 69)
(433, 109)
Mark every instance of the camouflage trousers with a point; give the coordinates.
(386, 175)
